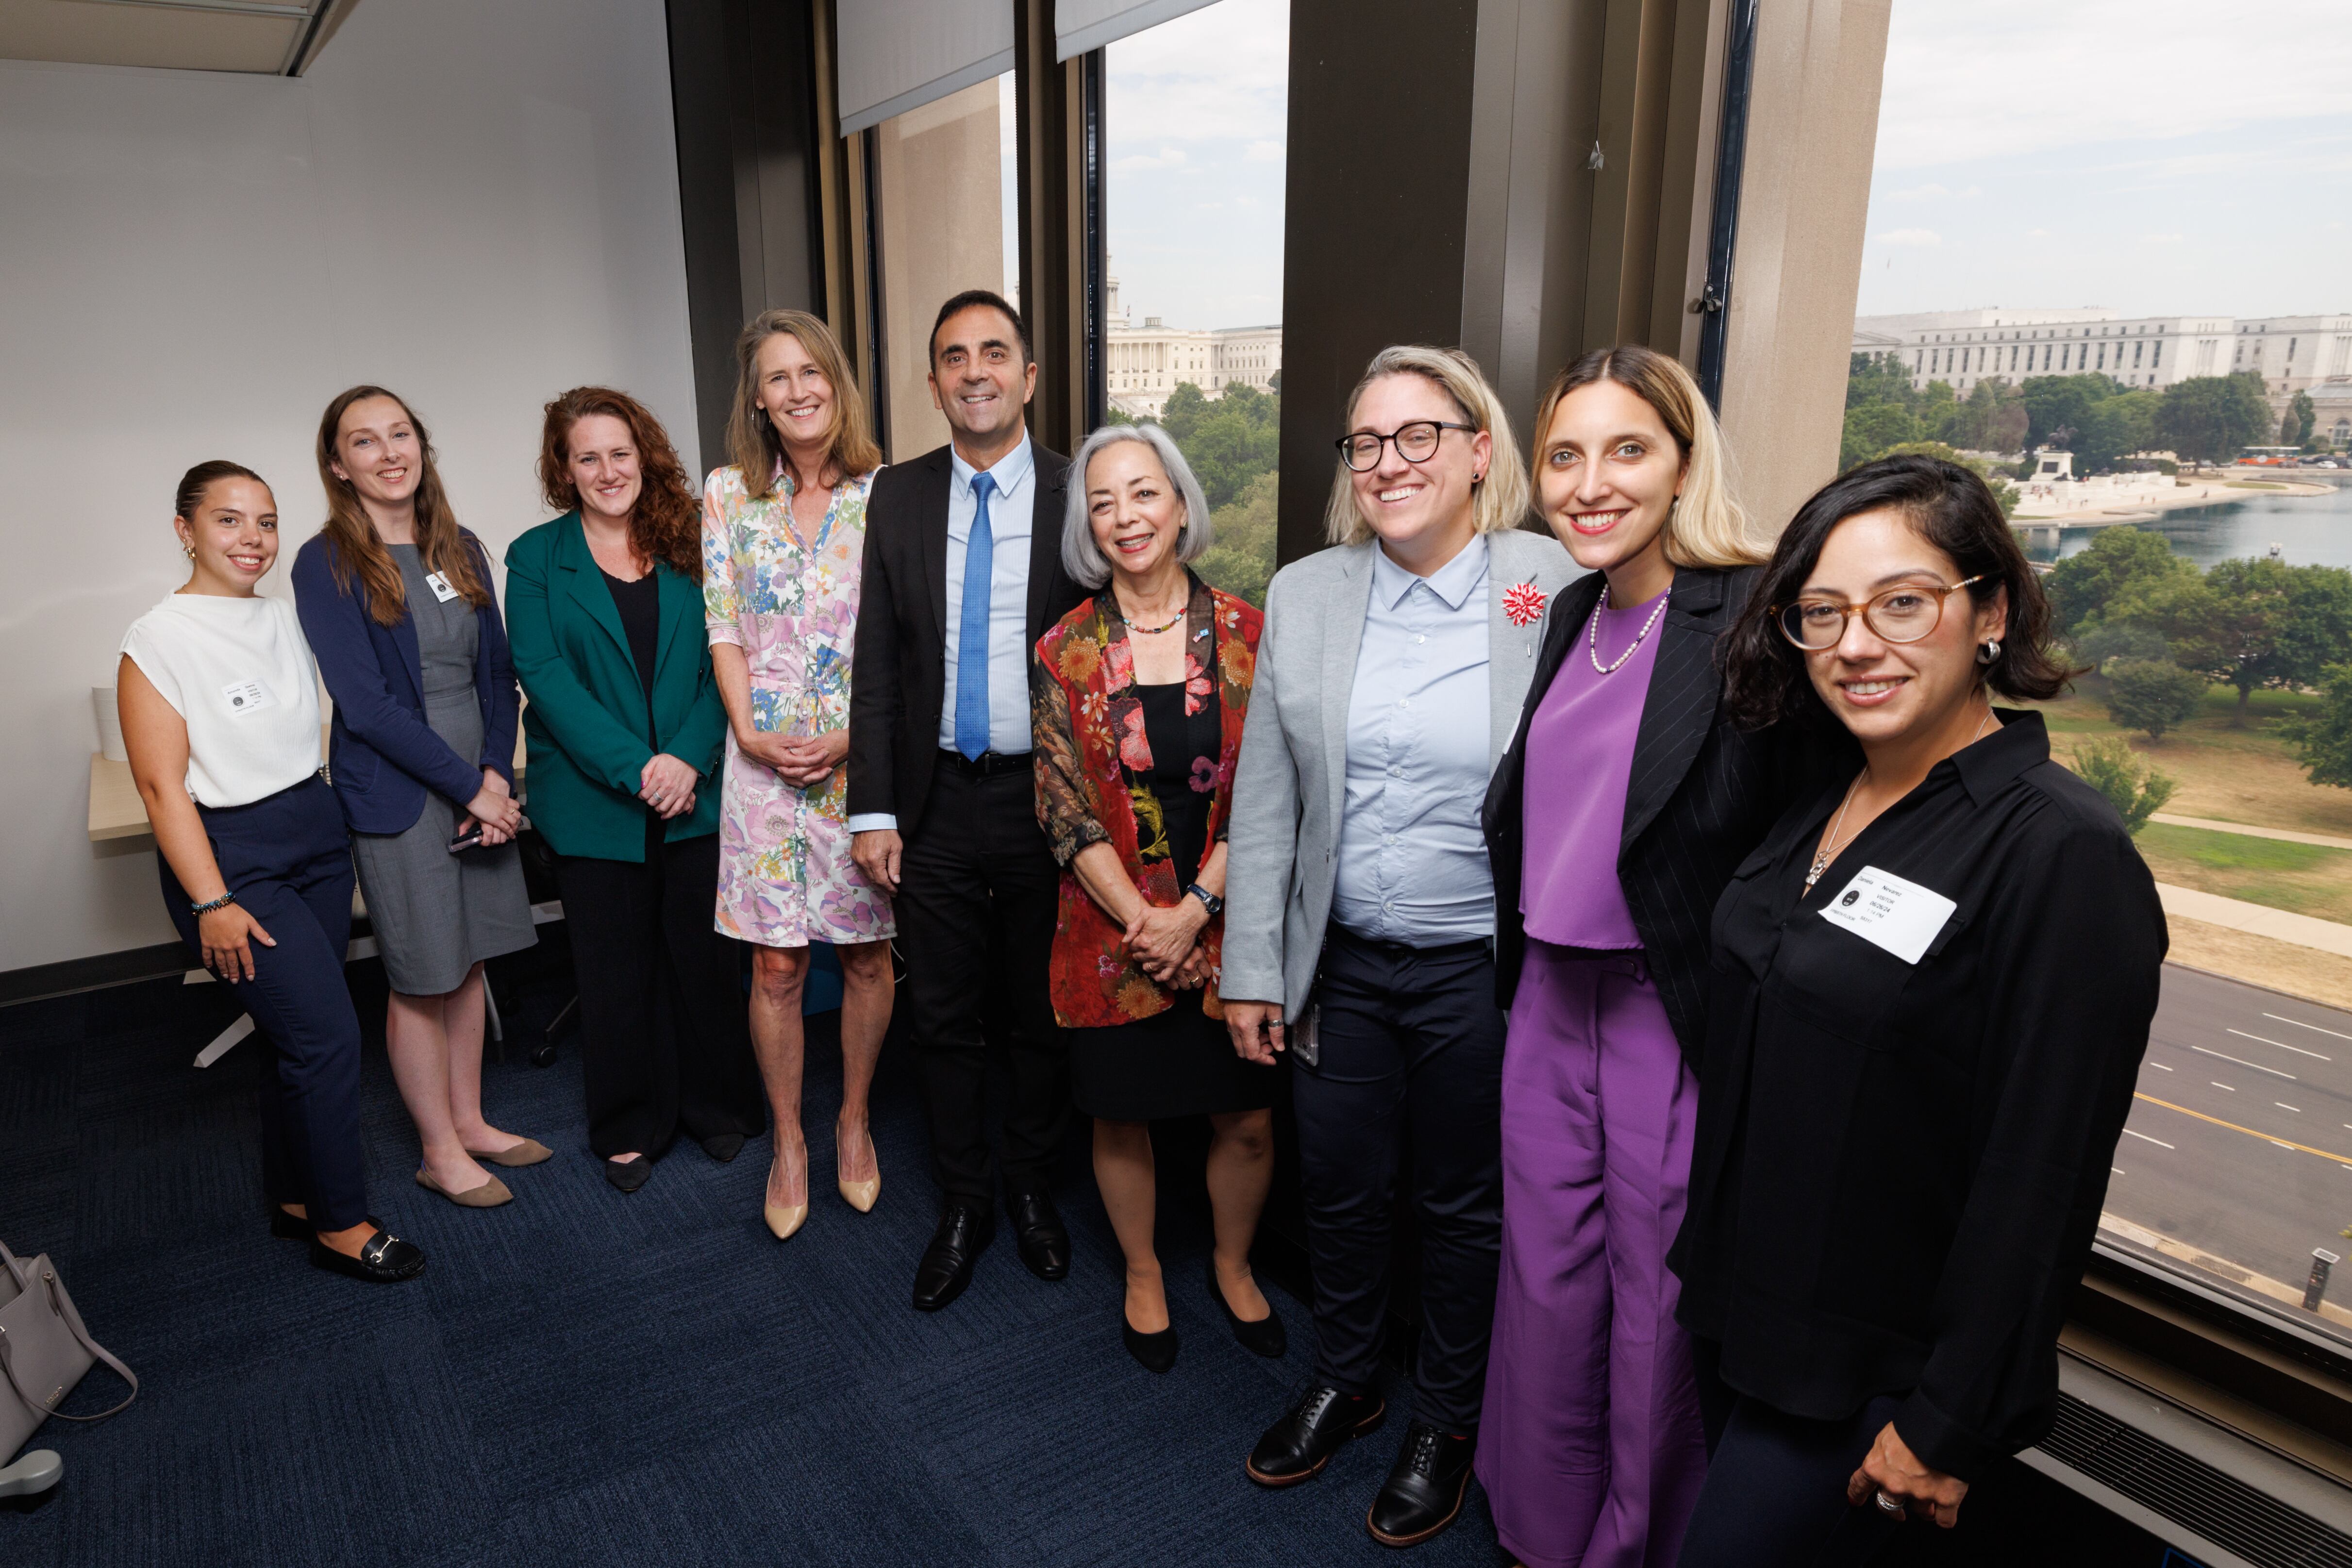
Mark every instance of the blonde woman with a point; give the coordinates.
(1388, 679)
(783, 536)
(1614, 823)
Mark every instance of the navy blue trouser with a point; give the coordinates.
(288, 859)
(1410, 1047)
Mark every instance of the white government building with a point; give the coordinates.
(1144, 364)
(2291, 354)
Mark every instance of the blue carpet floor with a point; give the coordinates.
(584, 1377)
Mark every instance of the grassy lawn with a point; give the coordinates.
(2303, 878)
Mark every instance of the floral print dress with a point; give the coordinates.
(785, 878)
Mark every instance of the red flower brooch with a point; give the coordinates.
(1523, 602)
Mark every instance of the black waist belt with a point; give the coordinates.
(987, 765)
(1474, 947)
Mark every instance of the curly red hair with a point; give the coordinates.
(667, 522)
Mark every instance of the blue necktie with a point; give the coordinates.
(972, 633)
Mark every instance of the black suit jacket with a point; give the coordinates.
(1702, 794)
(898, 679)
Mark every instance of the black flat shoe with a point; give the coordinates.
(289, 1227)
(628, 1174)
(384, 1259)
(723, 1146)
(1156, 1351)
(1425, 1490)
(1298, 1446)
(1265, 1337)
(1044, 1242)
(965, 1232)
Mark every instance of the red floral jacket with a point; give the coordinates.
(1094, 764)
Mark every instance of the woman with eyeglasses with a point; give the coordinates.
(1933, 984)
(1360, 930)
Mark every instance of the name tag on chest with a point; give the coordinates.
(1884, 909)
(245, 696)
(440, 586)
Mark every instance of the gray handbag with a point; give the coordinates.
(43, 1350)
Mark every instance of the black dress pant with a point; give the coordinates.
(1410, 1062)
(288, 859)
(976, 905)
(664, 1040)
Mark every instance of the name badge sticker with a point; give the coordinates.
(1884, 909)
(440, 586)
(245, 696)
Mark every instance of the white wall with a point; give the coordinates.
(474, 205)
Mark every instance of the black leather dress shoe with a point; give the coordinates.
(628, 1174)
(1045, 1241)
(965, 1230)
(1265, 1337)
(1425, 1490)
(289, 1227)
(384, 1259)
(723, 1146)
(1157, 1352)
(1298, 1446)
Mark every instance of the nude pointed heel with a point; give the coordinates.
(859, 1196)
(785, 1221)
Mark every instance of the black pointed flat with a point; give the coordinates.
(1265, 1337)
(289, 1227)
(628, 1174)
(1157, 1352)
(723, 1146)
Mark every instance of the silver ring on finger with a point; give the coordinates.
(1888, 1503)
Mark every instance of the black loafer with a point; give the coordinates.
(722, 1146)
(1425, 1490)
(1044, 1241)
(1157, 1352)
(1298, 1446)
(384, 1259)
(965, 1232)
(628, 1174)
(1263, 1337)
(289, 1227)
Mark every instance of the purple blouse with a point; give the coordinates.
(1579, 756)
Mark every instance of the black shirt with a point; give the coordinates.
(1898, 1167)
(640, 607)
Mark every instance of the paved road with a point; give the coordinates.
(2241, 1141)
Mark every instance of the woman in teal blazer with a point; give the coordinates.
(626, 727)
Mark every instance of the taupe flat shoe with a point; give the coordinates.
(489, 1195)
(529, 1151)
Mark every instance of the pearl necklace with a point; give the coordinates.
(1593, 640)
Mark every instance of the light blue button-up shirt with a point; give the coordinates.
(1011, 522)
(1412, 858)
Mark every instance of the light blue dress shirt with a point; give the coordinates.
(1412, 858)
(1011, 522)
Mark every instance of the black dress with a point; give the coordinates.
(1179, 1062)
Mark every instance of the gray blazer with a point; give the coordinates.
(1290, 784)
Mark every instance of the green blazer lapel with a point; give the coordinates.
(586, 583)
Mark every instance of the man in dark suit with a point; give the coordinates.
(963, 576)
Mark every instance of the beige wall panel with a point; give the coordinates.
(1813, 128)
(71, 32)
(938, 180)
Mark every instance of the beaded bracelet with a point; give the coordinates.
(224, 901)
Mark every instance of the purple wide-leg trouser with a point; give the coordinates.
(1590, 1449)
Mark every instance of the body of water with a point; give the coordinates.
(2310, 531)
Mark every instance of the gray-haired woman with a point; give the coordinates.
(1137, 698)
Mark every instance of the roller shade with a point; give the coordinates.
(897, 55)
(1080, 26)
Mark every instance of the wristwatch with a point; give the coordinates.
(1209, 901)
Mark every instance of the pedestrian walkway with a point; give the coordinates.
(2257, 919)
(2284, 835)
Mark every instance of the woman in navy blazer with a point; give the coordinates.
(395, 599)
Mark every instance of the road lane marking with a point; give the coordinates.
(2217, 1083)
(2301, 1025)
(2299, 1148)
(2159, 1067)
(2282, 1045)
(2282, 1105)
(2243, 1063)
(2118, 1170)
(2146, 1139)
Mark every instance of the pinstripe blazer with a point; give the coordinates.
(1702, 793)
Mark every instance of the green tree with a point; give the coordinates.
(2325, 739)
(2103, 641)
(1871, 429)
(2003, 490)
(1991, 418)
(2114, 428)
(1877, 378)
(2055, 406)
(1240, 558)
(2207, 418)
(2302, 418)
(2136, 791)
(2082, 587)
(2152, 695)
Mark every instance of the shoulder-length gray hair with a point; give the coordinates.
(1082, 558)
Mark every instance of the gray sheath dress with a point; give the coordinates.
(436, 914)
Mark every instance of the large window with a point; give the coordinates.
(2170, 450)
(1193, 121)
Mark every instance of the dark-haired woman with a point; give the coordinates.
(604, 608)
(395, 597)
(1934, 982)
(1612, 822)
(220, 715)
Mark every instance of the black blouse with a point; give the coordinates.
(1898, 1166)
(639, 603)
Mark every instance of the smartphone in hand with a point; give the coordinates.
(469, 839)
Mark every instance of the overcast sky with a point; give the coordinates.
(2157, 156)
